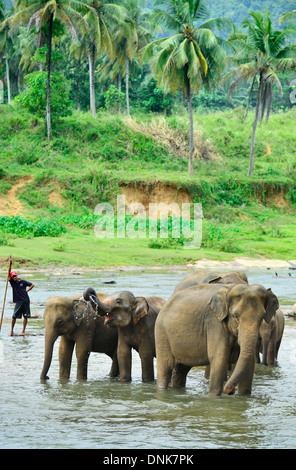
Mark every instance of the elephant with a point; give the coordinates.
(134, 317)
(204, 276)
(75, 321)
(270, 338)
(204, 325)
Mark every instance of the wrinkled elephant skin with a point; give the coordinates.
(78, 325)
(134, 317)
(202, 325)
(270, 337)
(205, 276)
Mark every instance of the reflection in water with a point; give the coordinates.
(104, 413)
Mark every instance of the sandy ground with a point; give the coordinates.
(246, 263)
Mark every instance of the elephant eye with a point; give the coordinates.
(118, 301)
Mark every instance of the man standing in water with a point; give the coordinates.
(20, 298)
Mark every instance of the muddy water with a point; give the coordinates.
(105, 414)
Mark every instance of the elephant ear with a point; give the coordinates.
(140, 309)
(79, 310)
(216, 280)
(271, 305)
(211, 278)
(219, 303)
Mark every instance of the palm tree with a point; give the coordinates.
(192, 56)
(5, 44)
(100, 16)
(38, 13)
(261, 53)
(132, 33)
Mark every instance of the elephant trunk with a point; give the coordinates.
(244, 369)
(264, 352)
(50, 339)
(90, 295)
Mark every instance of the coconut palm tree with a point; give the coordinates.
(192, 56)
(132, 33)
(262, 52)
(101, 16)
(5, 45)
(38, 13)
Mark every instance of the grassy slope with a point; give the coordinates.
(241, 218)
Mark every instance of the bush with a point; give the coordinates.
(113, 99)
(24, 228)
(33, 98)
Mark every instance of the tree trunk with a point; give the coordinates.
(190, 162)
(79, 93)
(7, 76)
(119, 91)
(91, 59)
(259, 97)
(48, 115)
(126, 83)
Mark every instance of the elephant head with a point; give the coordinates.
(234, 277)
(121, 309)
(244, 307)
(204, 276)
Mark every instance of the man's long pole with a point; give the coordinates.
(5, 292)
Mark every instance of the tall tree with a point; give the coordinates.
(262, 52)
(5, 45)
(192, 56)
(41, 13)
(100, 16)
(132, 33)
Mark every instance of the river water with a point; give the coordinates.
(103, 413)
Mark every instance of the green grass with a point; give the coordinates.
(80, 247)
(87, 160)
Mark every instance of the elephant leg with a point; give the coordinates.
(257, 351)
(124, 354)
(65, 357)
(277, 347)
(218, 369)
(114, 371)
(147, 366)
(82, 355)
(207, 372)
(165, 360)
(271, 353)
(164, 374)
(179, 375)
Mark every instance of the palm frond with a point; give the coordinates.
(271, 77)
(291, 15)
(221, 25)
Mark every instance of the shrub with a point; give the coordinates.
(24, 228)
(33, 98)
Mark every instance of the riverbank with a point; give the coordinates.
(238, 264)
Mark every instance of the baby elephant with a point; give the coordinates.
(270, 338)
(135, 319)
